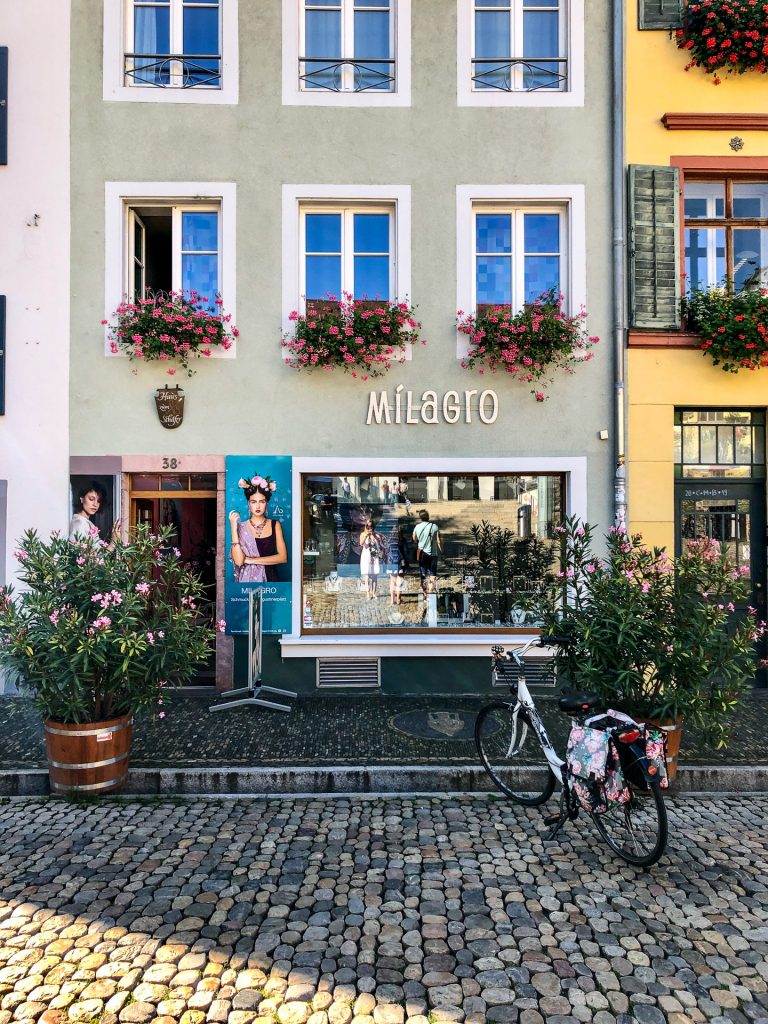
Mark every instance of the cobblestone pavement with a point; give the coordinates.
(375, 910)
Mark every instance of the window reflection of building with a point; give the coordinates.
(478, 584)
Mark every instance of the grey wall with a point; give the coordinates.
(255, 403)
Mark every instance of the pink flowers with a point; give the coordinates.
(142, 588)
(114, 597)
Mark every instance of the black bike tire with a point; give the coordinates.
(520, 798)
(656, 853)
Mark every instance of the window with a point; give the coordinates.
(518, 253)
(726, 233)
(524, 52)
(348, 45)
(346, 52)
(174, 248)
(719, 443)
(170, 236)
(181, 51)
(348, 250)
(491, 536)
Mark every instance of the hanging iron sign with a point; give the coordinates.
(170, 406)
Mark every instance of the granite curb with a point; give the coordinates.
(356, 779)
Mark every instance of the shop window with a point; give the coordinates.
(347, 45)
(174, 248)
(347, 250)
(726, 233)
(490, 540)
(513, 50)
(519, 254)
(720, 443)
(171, 50)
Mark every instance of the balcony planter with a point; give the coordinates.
(170, 327)
(530, 345)
(725, 37)
(732, 327)
(360, 336)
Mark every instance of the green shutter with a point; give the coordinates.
(656, 14)
(654, 246)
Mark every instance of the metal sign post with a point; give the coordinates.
(255, 687)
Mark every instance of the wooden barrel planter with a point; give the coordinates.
(90, 758)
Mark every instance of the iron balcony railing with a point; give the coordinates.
(507, 74)
(334, 74)
(174, 70)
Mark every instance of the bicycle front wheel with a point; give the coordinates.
(636, 831)
(512, 754)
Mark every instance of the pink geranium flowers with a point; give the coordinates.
(170, 326)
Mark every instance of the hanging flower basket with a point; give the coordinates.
(733, 327)
(172, 326)
(725, 36)
(530, 345)
(363, 337)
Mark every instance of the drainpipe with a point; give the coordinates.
(619, 252)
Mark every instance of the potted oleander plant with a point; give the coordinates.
(95, 634)
(653, 636)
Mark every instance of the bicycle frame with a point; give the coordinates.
(525, 700)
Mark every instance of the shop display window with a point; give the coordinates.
(444, 552)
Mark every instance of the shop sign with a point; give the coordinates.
(275, 581)
(428, 407)
(169, 403)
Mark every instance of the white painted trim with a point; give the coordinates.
(294, 96)
(294, 645)
(115, 89)
(466, 96)
(295, 195)
(117, 193)
(573, 196)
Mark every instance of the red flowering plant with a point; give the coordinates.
(729, 36)
(170, 326)
(364, 337)
(733, 326)
(530, 344)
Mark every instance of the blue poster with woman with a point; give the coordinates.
(258, 540)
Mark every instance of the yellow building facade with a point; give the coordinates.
(696, 435)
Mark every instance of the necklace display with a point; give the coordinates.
(258, 530)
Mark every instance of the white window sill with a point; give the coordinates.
(300, 98)
(398, 645)
(153, 94)
(481, 98)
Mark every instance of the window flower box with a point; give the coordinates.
(732, 327)
(725, 36)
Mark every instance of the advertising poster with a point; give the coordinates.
(258, 510)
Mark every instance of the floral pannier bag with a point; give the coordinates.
(594, 769)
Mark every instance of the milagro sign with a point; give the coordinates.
(428, 407)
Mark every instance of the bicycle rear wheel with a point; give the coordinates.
(636, 831)
(512, 754)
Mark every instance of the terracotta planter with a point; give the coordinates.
(674, 734)
(91, 758)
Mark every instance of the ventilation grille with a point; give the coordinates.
(538, 672)
(357, 673)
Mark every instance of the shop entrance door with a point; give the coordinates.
(734, 515)
(185, 502)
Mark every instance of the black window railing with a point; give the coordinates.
(334, 74)
(174, 70)
(520, 74)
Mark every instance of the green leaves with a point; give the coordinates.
(733, 327)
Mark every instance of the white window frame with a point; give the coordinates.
(121, 197)
(347, 212)
(569, 200)
(571, 44)
(348, 39)
(177, 210)
(293, 41)
(473, 645)
(300, 199)
(118, 33)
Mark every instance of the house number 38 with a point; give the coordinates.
(171, 463)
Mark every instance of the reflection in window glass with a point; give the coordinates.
(487, 546)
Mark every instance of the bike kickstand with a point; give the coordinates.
(557, 822)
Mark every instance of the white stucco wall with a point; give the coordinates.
(34, 270)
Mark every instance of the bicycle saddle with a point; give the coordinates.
(572, 703)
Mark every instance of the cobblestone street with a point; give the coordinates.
(375, 911)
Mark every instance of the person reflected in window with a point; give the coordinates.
(258, 545)
(426, 537)
(372, 552)
(89, 500)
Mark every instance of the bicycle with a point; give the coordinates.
(522, 762)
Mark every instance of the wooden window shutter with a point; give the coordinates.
(3, 104)
(659, 14)
(654, 246)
